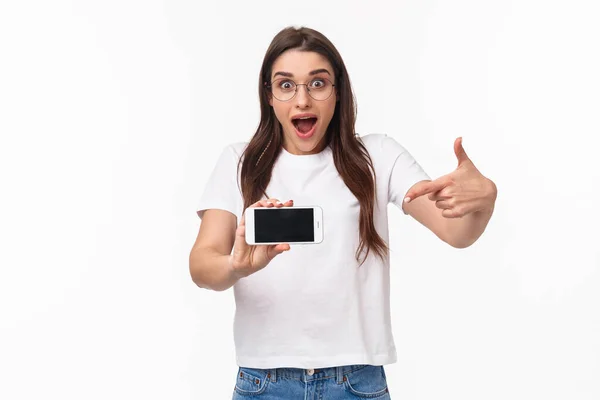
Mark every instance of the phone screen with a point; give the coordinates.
(284, 225)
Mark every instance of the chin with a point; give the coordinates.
(307, 145)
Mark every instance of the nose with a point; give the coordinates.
(302, 97)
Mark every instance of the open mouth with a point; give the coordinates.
(305, 126)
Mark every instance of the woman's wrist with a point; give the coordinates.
(232, 272)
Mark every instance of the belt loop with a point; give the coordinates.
(339, 374)
(273, 373)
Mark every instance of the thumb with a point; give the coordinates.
(460, 152)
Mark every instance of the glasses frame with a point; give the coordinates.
(269, 86)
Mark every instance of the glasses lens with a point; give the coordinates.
(320, 88)
(283, 89)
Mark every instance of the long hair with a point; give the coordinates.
(350, 156)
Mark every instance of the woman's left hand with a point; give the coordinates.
(461, 192)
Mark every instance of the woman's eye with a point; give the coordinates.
(286, 85)
(317, 83)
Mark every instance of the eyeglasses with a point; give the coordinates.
(285, 89)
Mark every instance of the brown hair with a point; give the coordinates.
(350, 156)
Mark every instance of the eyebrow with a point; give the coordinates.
(290, 75)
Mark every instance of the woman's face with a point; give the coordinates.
(303, 136)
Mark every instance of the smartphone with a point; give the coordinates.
(292, 225)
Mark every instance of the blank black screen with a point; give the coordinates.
(284, 225)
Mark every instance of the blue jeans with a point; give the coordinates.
(335, 383)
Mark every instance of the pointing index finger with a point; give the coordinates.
(423, 188)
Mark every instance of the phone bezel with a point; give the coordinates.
(317, 225)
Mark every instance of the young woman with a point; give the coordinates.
(314, 322)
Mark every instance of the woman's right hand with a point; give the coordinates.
(247, 259)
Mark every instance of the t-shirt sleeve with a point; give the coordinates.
(222, 190)
(405, 172)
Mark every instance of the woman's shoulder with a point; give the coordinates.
(236, 149)
(371, 139)
(378, 144)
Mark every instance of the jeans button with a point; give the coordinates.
(310, 372)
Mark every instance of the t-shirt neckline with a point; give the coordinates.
(305, 159)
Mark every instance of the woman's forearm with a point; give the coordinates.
(463, 232)
(211, 270)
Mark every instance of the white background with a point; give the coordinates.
(113, 113)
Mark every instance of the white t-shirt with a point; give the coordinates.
(312, 306)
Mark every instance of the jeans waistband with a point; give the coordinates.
(313, 374)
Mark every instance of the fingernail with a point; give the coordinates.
(407, 199)
(278, 203)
